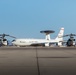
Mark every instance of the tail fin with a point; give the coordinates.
(60, 35)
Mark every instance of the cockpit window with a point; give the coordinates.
(4, 39)
(0, 40)
(13, 40)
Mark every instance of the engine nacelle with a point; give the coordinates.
(47, 44)
(59, 43)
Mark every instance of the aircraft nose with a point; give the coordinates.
(13, 42)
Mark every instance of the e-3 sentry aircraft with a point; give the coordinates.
(47, 41)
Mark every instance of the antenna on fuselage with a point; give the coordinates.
(47, 33)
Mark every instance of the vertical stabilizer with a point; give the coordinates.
(60, 35)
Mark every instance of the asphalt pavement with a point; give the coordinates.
(37, 61)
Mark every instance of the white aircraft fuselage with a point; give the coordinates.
(23, 42)
(46, 41)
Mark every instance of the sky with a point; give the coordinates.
(26, 18)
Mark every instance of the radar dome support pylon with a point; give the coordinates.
(47, 33)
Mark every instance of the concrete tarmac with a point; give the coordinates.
(37, 61)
